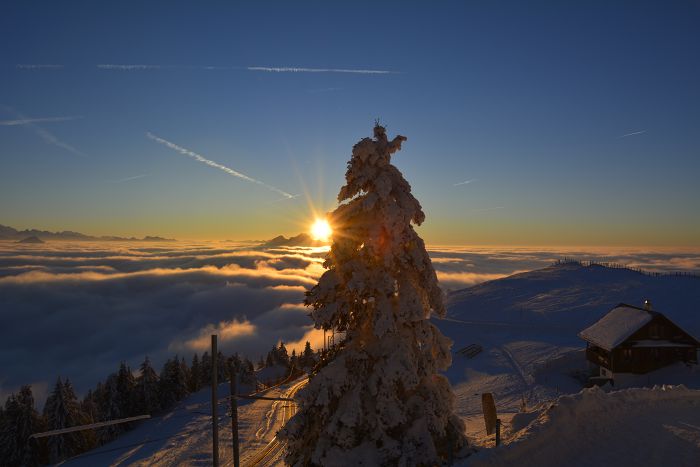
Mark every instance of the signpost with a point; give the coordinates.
(489, 408)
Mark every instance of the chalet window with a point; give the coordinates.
(627, 354)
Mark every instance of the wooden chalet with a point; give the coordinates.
(635, 340)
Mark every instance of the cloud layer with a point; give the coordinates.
(78, 309)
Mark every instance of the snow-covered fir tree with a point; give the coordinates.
(195, 382)
(173, 385)
(147, 396)
(110, 408)
(307, 358)
(62, 410)
(19, 420)
(381, 399)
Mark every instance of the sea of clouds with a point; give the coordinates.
(77, 309)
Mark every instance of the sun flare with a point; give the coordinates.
(321, 230)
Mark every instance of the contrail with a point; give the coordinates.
(27, 121)
(128, 67)
(51, 139)
(27, 66)
(466, 182)
(128, 179)
(216, 165)
(317, 70)
(633, 133)
(43, 134)
(269, 69)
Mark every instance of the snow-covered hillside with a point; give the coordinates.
(527, 325)
(570, 297)
(649, 427)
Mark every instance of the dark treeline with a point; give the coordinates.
(123, 394)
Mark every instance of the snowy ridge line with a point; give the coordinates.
(614, 265)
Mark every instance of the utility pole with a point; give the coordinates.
(214, 403)
(234, 418)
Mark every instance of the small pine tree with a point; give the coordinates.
(173, 382)
(62, 410)
(380, 399)
(308, 359)
(126, 384)
(110, 405)
(282, 355)
(248, 373)
(20, 420)
(147, 395)
(205, 363)
(195, 374)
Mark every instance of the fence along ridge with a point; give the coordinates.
(616, 265)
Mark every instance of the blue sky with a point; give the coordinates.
(531, 102)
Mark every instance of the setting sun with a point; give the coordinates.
(321, 230)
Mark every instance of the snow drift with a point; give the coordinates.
(657, 426)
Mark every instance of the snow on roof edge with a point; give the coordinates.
(616, 326)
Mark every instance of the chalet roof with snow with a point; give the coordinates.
(616, 326)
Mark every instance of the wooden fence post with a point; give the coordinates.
(498, 431)
(234, 419)
(214, 402)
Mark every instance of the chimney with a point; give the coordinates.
(647, 305)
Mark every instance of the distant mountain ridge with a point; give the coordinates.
(9, 233)
(303, 239)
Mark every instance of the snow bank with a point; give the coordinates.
(657, 426)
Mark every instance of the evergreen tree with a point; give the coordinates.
(282, 355)
(110, 405)
(173, 382)
(206, 369)
(147, 395)
(126, 384)
(195, 374)
(293, 359)
(380, 398)
(20, 420)
(62, 410)
(307, 358)
(271, 358)
(222, 366)
(248, 372)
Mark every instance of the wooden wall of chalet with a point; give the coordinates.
(627, 358)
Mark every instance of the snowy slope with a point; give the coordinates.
(572, 297)
(651, 427)
(527, 325)
(183, 436)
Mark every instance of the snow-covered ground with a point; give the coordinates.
(651, 427)
(183, 436)
(527, 326)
